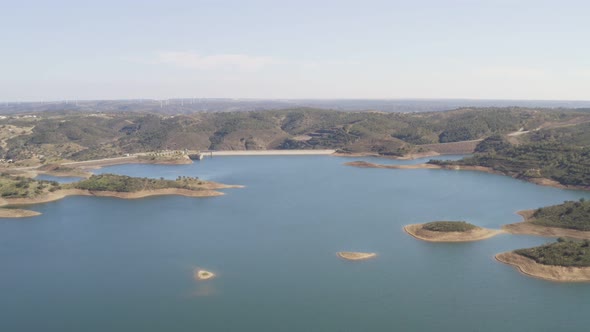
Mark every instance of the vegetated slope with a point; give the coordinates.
(122, 183)
(560, 253)
(99, 135)
(560, 154)
(570, 214)
(22, 187)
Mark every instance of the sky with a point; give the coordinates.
(498, 49)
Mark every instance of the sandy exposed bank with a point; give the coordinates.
(208, 191)
(203, 275)
(539, 181)
(365, 164)
(268, 153)
(356, 256)
(17, 213)
(529, 228)
(410, 156)
(477, 234)
(531, 268)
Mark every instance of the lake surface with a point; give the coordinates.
(104, 264)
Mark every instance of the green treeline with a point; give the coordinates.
(570, 214)
(566, 164)
(560, 253)
(123, 183)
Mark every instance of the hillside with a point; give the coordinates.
(562, 162)
(54, 136)
(560, 253)
(570, 214)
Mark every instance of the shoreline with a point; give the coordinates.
(356, 256)
(527, 227)
(210, 190)
(537, 181)
(202, 275)
(17, 213)
(530, 268)
(268, 153)
(478, 234)
(99, 163)
(409, 156)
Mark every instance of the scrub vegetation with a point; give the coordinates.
(448, 226)
(570, 214)
(561, 253)
(123, 183)
(23, 187)
(53, 136)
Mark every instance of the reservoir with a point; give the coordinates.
(106, 264)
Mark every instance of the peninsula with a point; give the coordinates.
(449, 231)
(436, 164)
(566, 261)
(570, 219)
(19, 190)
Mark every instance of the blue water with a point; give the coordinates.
(60, 179)
(103, 264)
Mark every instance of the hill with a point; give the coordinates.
(54, 136)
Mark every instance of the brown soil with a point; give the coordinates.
(17, 213)
(539, 181)
(365, 164)
(531, 268)
(356, 256)
(410, 156)
(477, 234)
(529, 228)
(209, 191)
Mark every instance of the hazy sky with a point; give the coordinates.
(110, 49)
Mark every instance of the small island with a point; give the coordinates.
(564, 260)
(570, 219)
(356, 256)
(449, 231)
(19, 190)
(203, 275)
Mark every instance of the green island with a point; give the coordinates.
(19, 190)
(449, 231)
(448, 226)
(564, 260)
(123, 183)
